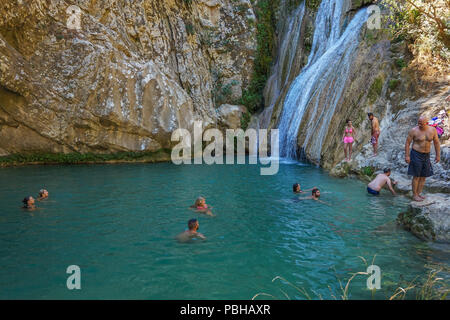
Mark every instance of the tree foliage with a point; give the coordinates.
(425, 25)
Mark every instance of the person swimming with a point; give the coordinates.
(192, 232)
(28, 203)
(315, 195)
(201, 206)
(43, 194)
(297, 189)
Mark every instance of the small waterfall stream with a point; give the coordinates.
(318, 88)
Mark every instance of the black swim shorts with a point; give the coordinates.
(420, 165)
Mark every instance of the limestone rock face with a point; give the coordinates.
(429, 220)
(230, 116)
(132, 73)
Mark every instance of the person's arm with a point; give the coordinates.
(407, 145)
(390, 186)
(326, 203)
(201, 236)
(437, 146)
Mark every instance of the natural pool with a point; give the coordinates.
(118, 223)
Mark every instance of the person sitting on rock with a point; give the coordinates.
(191, 233)
(375, 186)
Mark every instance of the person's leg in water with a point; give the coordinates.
(415, 188)
(420, 187)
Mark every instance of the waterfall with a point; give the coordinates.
(288, 49)
(318, 88)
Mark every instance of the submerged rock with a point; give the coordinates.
(428, 220)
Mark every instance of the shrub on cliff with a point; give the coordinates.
(424, 25)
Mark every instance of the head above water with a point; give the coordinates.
(316, 192)
(200, 202)
(422, 122)
(193, 225)
(43, 193)
(370, 115)
(28, 201)
(296, 187)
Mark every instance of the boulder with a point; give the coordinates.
(428, 220)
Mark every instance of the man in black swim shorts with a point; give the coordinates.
(419, 156)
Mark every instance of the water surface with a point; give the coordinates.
(118, 223)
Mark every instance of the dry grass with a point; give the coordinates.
(432, 288)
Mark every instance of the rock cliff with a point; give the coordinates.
(107, 76)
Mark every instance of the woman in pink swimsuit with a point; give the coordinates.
(348, 139)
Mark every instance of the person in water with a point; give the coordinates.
(43, 194)
(418, 158)
(315, 195)
(297, 189)
(375, 186)
(375, 132)
(28, 203)
(191, 233)
(348, 139)
(201, 206)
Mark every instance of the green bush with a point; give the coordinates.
(393, 84)
(400, 63)
(368, 171)
(252, 96)
(375, 90)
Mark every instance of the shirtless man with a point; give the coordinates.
(192, 233)
(378, 183)
(419, 157)
(375, 132)
(315, 195)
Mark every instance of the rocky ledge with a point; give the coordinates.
(428, 220)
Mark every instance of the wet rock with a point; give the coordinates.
(429, 220)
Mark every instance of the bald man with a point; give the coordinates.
(419, 157)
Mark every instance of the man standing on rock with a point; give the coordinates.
(419, 158)
(375, 132)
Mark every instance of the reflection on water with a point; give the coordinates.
(118, 223)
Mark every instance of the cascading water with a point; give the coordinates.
(318, 88)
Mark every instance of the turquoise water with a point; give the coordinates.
(118, 223)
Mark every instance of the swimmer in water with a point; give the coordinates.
(43, 194)
(191, 233)
(297, 189)
(201, 206)
(315, 195)
(28, 203)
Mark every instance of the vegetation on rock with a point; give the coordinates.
(424, 25)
